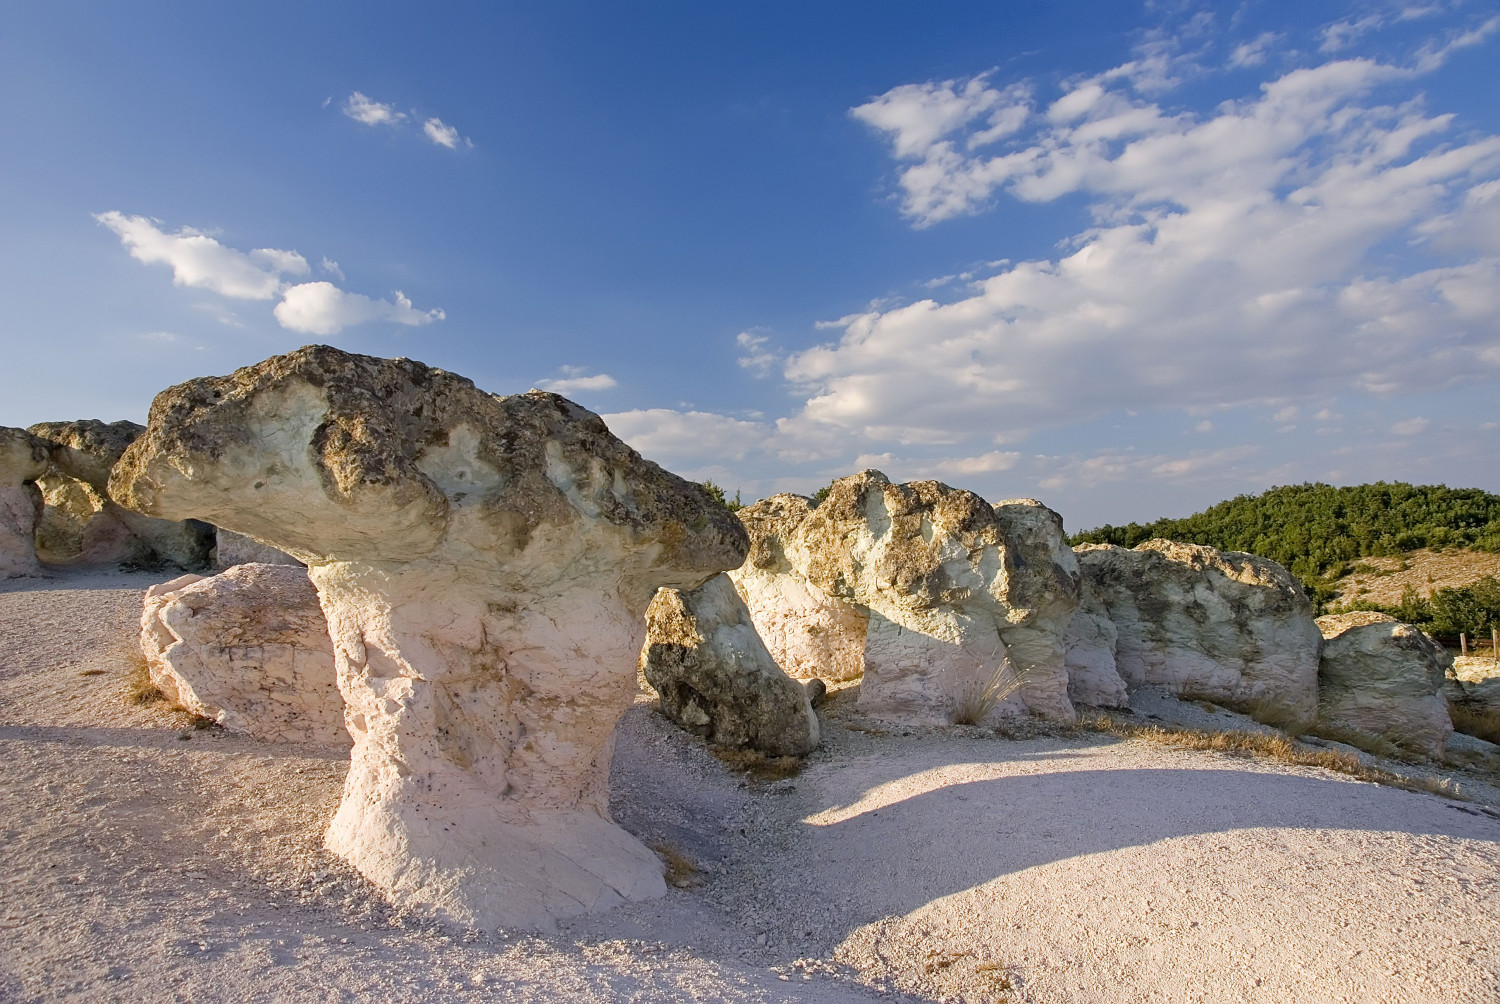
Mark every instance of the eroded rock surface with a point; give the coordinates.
(1386, 678)
(715, 677)
(1222, 625)
(485, 564)
(232, 549)
(248, 648)
(945, 589)
(23, 459)
(83, 525)
(1090, 644)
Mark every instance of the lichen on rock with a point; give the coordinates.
(485, 564)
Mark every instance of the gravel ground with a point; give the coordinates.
(146, 860)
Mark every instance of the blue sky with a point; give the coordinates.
(1129, 259)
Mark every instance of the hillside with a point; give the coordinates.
(1316, 530)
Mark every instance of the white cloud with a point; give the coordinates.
(321, 308)
(370, 112)
(1127, 465)
(1239, 257)
(443, 135)
(985, 463)
(575, 379)
(756, 357)
(1411, 427)
(332, 268)
(200, 262)
(1253, 52)
(687, 440)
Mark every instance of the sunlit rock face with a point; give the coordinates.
(715, 677)
(23, 459)
(485, 564)
(1220, 625)
(1386, 678)
(932, 586)
(249, 649)
(83, 525)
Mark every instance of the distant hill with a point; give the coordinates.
(1315, 530)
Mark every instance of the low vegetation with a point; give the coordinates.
(733, 505)
(1473, 609)
(1316, 530)
(139, 690)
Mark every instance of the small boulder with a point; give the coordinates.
(715, 677)
(1386, 678)
(23, 459)
(1224, 626)
(248, 648)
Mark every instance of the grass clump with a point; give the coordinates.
(1475, 719)
(681, 871)
(985, 694)
(139, 690)
(757, 764)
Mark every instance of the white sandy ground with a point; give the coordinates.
(143, 860)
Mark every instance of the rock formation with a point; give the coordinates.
(936, 589)
(232, 549)
(1091, 641)
(1386, 678)
(23, 459)
(1221, 625)
(83, 525)
(485, 564)
(715, 677)
(248, 648)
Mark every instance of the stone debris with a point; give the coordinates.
(937, 593)
(715, 678)
(83, 525)
(485, 564)
(23, 459)
(1223, 626)
(248, 648)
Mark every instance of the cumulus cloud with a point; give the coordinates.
(687, 440)
(577, 378)
(443, 135)
(321, 308)
(1236, 258)
(370, 112)
(201, 262)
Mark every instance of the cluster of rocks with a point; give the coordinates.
(484, 575)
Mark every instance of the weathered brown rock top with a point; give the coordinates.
(88, 448)
(395, 447)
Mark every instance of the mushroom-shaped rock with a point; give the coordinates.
(1222, 625)
(82, 524)
(1091, 641)
(810, 634)
(954, 593)
(23, 459)
(485, 564)
(716, 679)
(1384, 677)
(248, 648)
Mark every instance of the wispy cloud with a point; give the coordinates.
(578, 378)
(1253, 53)
(370, 112)
(444, 135)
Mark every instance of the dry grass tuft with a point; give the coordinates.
(1378, 745)
(681, 871)
(984, 695)
(756, 764)
(139, 690)
(1277, 747)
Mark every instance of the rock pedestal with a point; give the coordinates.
(715, 678)
(248, 648)
(23, 459)
(83, 525)
(485, 564)
(947, 591)
(1221, 625)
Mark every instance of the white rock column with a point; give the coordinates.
(23, 459)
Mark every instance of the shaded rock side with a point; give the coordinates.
(23, 459)
(1386, 678)
(715, 678)
(809, 634)
(83, 525)
(1222, 625)
(1472, 689)
(248, 648)
(232, 549)
(953, 591)
(1090, 656)
(485, 564)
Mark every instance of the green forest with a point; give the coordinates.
(1316, 530)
